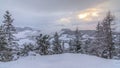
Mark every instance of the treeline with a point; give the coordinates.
(104, 44)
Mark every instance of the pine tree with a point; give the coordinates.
(72, 46)
(97, 44)
(87, 46)
(108, 38)
(3, 42)
(26, 49)
(43, 44)
(77, 41)
(9, 30)
(57, 47)
(119, 39)
(117, 46)
(5, 52)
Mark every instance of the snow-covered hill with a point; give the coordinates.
(26, 35)
(62, 61)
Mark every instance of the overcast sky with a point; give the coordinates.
(50, 15)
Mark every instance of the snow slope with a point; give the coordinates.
(62, 61)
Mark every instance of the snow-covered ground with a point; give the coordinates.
(62, 61)
(57, 61)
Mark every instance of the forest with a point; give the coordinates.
(105, 44)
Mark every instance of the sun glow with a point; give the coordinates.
(81, 16)
(88, 14)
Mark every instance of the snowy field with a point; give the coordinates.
(62, 61)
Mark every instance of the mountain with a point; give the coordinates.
(71, 32)
(28, 35)
(19, 29)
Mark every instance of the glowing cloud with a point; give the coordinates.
(65, 20)
(82, 16)
(89, 14)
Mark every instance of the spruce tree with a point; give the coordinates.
(71, 46)
(43, 44)
(104, 45)
(108, 37)
(98, 44)
(9, 30)
(3, 42)
(77, 42)
(57, 46)
(87, 45)
(5, 52)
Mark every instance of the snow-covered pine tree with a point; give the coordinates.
(57, 45)
(26, 49)
(86, 46)
(71, 46)
(117, 46)
(118, 39)
(43, 44)
(108, 38)
(97, 44)
(77, 42)
(9, 30)
(3, 42)
(5, 54)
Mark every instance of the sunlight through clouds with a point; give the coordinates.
(89, 14)
(82, 16)
(42, 13)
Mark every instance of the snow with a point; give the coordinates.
(23, 41)
(26, 33)
(66, 45)
(62, 61)
(65, 37)
(57, 61)
(25, 36)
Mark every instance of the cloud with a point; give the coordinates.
(85, 16)
(90, 14)
(49, 6)
(64, 21)
(58, 13)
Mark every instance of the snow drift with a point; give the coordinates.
(62, 61)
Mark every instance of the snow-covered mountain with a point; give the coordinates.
(27, 34)
(71, 32)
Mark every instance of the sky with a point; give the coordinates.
(52, 15)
